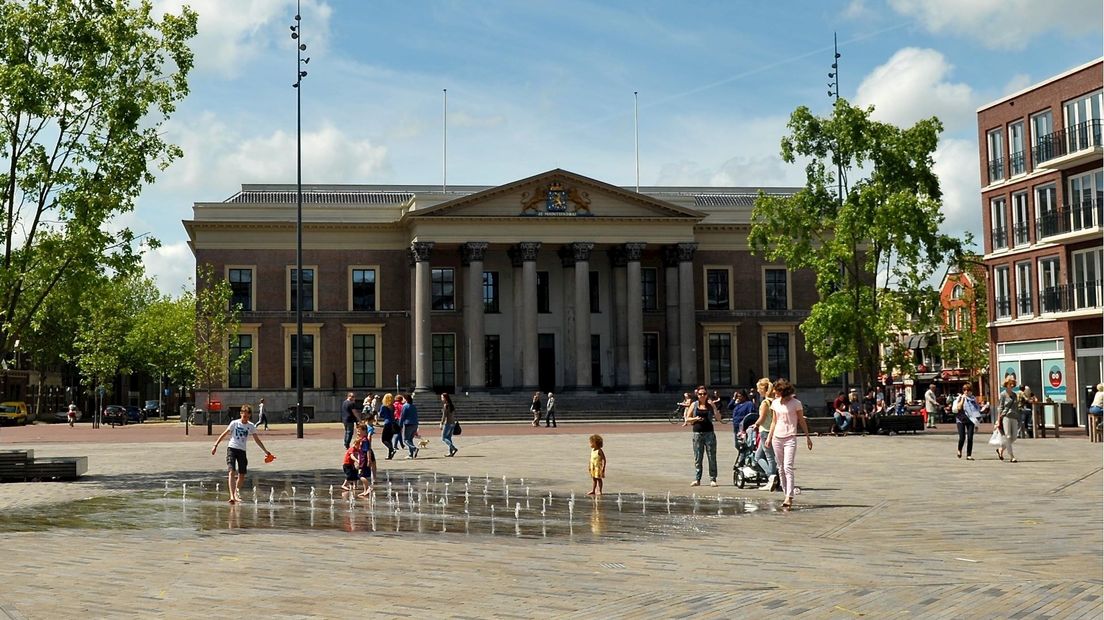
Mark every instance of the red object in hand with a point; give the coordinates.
(270, 457)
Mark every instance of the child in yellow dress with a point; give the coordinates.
(597, 464)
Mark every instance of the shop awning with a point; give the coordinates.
(918, 341)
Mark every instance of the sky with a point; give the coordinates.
(541, 84)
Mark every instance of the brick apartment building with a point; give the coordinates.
(557, 282)
(1042, 195)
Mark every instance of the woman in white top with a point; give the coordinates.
(789, 415)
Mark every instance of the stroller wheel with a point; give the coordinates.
(738, 478)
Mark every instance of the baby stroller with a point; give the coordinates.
(747, 470)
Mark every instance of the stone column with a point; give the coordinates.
(581, 253)
(516, 318)
(620, 327)
(688, 362)
(474, 329)
(670, 263)
(567, 261)
(530, 375)
(634, 318)
(423, 351)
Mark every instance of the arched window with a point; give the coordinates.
(958, 292)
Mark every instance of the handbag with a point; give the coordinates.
(996, 439)
(456, 428)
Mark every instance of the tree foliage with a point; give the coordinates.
(162, 340)
(85, 86)
(872, 248)
(216, 323)
(110, 311)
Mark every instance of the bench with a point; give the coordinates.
(13, 464)
(900, 423)
(820, 426)
(57, 468)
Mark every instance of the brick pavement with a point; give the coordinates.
(894, 526)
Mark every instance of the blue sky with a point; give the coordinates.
(536, 85)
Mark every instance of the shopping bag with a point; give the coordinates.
(996, 439)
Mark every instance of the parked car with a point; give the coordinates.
(135, 415)
(114, 414)
(151, 409)
(13, 412)
(63, 415)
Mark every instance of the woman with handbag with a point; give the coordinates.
(967, 417)
(448, 422)
(1008, 421)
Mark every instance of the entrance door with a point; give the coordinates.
(492, 366)
(444, 363)
(546, 362)
(651, 361)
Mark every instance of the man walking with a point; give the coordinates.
(550, 411)
(262, 417)
(236, 462)
(350, 415)
(931, 405)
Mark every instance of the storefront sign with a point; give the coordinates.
(1054, 380)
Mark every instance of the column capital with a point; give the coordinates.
(420, 250)
(473, 251)
(670, 256)
(581, 250)
(617, 256)
(686, 251)
(528, 250)
(633, 251)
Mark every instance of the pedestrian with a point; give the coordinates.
(387, 417)
(842, 413)
(366, 429)
(1008, 420)
(597, 466)
(351, 466)
(742, 408)
(535, 408)
(350, 415)
(789, 416)
(236, 460)
(701, 414)
(967, 418)
(550, 411)
(448, 423)
(408, 420)
(262, 416)
(931, 405)
(1026, 401)
(762, 424)
(71, 415)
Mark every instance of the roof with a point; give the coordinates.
(351, 197)
(1054, 78)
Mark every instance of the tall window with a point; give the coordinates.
(1016, 148)
(444, 362)
(542, 292)
(1019, 219)
(1042, 142)
(241, 289)
(308, 361)
(1046, 211)
(364, 361)
(1086, 279)
(364, 290)
(777, 297)
(443, 288)
(1086, 195)
(998, 224)
(716, 282)
(240, 362)
(595, 307)
(778, 355)
(1023, 289)
(490, 291)
(1083, 122)
(649, 288)
(1050, 297)
(996, 155)
(1003, 304)
(720, 359)
(308, 289)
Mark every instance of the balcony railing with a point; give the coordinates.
(1016, 163)
(1023, 305)
(1079, 137)
(1070, 297)
(1085, 215)
(1020, 233)
(1000, 238)
(996, 170)
(1003, 307)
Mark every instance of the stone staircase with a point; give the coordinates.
(570, 406)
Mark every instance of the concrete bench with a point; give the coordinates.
(57, 468)
(13, 464)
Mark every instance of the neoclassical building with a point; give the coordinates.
(556, 282)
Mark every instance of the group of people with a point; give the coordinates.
(549, 410)
(774, 425)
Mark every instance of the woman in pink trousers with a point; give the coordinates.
(789, 415)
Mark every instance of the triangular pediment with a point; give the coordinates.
(558, 193)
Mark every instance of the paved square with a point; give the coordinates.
(886, 527)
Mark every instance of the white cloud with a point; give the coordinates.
(856, 9)
(171, 266)
(1004, 24)
(956, 164)
(912, 86)
(1017, 83)
(233, 34)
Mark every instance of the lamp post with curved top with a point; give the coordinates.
(300, 73)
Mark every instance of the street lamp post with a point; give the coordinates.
(300, 73)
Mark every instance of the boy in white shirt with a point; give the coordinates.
(239, 431)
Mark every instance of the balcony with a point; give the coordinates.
(1023, 305)
(996, 170)
(1079, 217)
(1072, 297)
(1020, 233)
(1016, 163)
(1000, 238)
(1068, 147)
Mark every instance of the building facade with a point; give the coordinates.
(1042, 198)
(556, 282)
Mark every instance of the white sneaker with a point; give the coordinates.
(712, 483)
(695, 483)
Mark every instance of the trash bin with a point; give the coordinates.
(1068, 414)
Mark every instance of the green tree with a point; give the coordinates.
(109, 312)
(969, 342)
(873, 248)
(162, 340)
(85, 86)
(216, 324)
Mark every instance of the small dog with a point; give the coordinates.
(422, 442)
